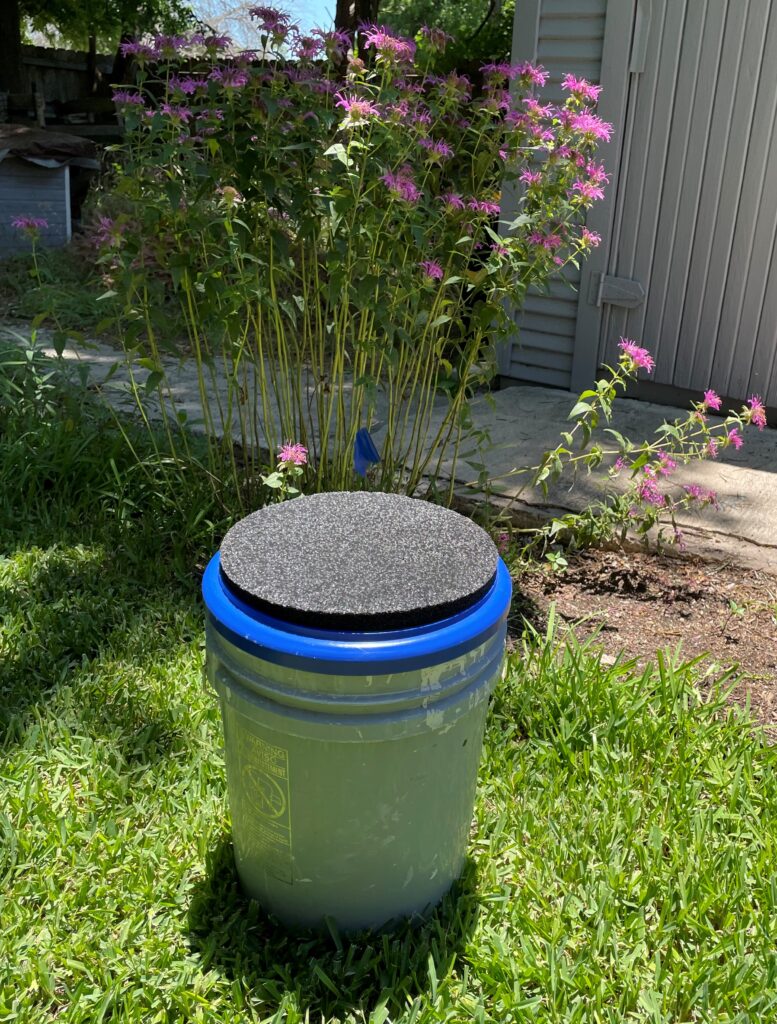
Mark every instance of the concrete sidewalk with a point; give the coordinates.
(524, 422)
(527, 421)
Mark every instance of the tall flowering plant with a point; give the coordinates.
(323, 217)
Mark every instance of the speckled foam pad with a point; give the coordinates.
(358, 561)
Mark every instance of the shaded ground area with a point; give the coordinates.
(642, 603)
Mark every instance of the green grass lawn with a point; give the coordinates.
(623, 860)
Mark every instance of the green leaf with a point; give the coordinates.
(339, 152)
(59, 341)
(581, 409)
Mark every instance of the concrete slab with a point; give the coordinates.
(526, 421)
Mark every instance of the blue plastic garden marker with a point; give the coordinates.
(364, 452)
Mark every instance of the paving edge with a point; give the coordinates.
(701, 542)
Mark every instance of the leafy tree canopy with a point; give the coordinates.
(482, 29)
(71, 22)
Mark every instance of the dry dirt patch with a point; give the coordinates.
(639, 604)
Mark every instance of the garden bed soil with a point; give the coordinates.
(637, 604)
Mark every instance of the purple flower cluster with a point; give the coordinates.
(336, 43)
(272, 21)
(484, 206)
(581, 88)
(29, 224)
(586, 123)
(390, 48)
(432, 270)
(756, 413)
(648, 490)
(437, 149)
(533, 75)
(126, 98)
(702, 495)
(452, 201)
(229, 77)
(293, 454)
(357, 110)
(635, 356)
(436, 38)
(169, 46)
(401, 185)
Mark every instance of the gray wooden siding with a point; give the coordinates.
(696, 218)
(563, 37)
(27, 190)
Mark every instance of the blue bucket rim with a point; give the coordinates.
(290, 643)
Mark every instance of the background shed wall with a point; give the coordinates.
(563, 36)
(27, 190)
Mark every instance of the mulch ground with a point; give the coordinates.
(637, 604)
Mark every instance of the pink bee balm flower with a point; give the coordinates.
(141, 51)
(756, 414)
(308, 47)
(698, 493)
(536, 74)
(636, 356)
(712, 400)
(502, 542)
(212, 42)
(336, 43)
(436, 37)
(585, 123)
(388, 46)
(402, 186)
(432, 270)
(271, 20)
(177, 112)
(648, 489)
(293, 453)
(483, 206)
(29, 223)
(735, 438)
(666, 463)
(452, 201)
(586, 189)
(537, 109)
(188, 86)
(712, 448)
(592, 238)
(549, 242)
(581, 88)
(437, 149)
(124, 96)
(596, 173)
(620, 463)
(500, 71)
(229, 77)
(531, 177)
(357, 110)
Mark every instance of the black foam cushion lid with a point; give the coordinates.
(358, 561)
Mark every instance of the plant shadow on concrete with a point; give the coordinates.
(329, 974)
